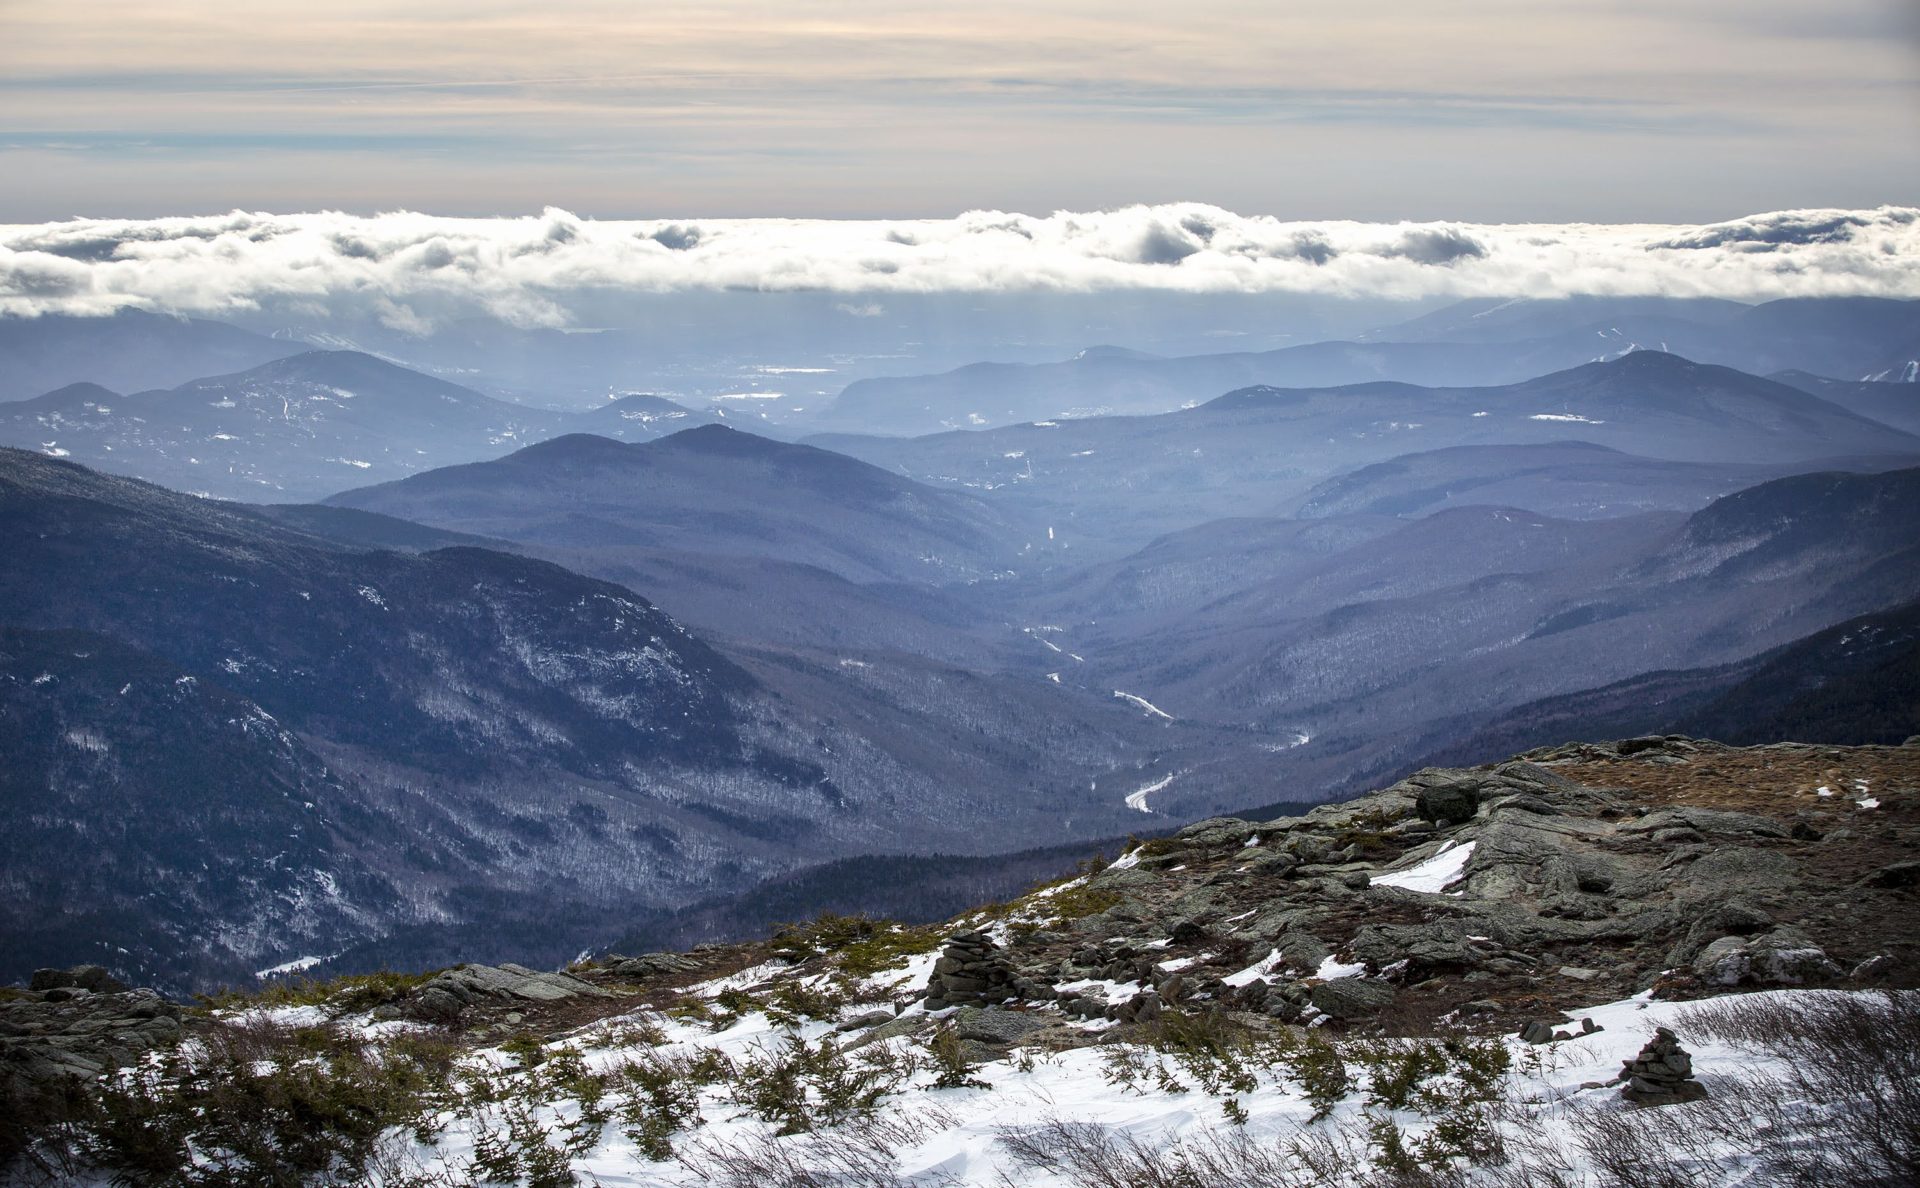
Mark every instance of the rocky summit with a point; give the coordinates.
(1395, 971)
(1566, 875)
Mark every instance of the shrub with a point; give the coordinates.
(261, 1104)
(859, 1154)
(660, 1096)
(886, 948)
(1077, 902)
(348, 992)
(798, 1087)
(952, 1069)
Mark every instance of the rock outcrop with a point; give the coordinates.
(92, 978)
(447, 997)
(64, 1035)
(1561, 878)
(650, 965)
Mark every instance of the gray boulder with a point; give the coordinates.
(1896, 874)
(1450, 803)
(1218, 831)
(1351, 998)
(446, 996)
(1782, 957)
(650, 965)
(994, 1026)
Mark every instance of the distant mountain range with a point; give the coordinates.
(1893, 402)
(1106, 483)
(1566, 479)
(1370, 641)
(1393, 600)
(129, 350)
(305, 426)
(1848, 337)
(1473, 345)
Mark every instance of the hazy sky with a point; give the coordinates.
(1682, 110)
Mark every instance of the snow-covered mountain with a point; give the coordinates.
(306, 426)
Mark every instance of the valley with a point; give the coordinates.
(546, 674)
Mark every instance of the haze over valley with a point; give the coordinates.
(1151, 602)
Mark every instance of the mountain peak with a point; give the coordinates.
(571, 448)
(1249, 397)
(332, 364)
(722, 439)
(79, 393)
(1651, 362)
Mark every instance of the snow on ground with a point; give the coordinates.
(1046, 893)
(1101, 989)
(1143, 703)
(1434, 875)
(1333, 967)
(905, 978)
(1176, 964)
(753, 975)
(1137, 799)
(284, 1016)
(297, 965)
(1329, 969)
(1258, 969)
(952, 1136)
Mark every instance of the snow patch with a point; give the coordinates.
(1258, 969)
(1434, 875)
(1333, 968)
(297, 965)
(1136, 699)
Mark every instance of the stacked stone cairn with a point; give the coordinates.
(973, 971)
(1662, 1074)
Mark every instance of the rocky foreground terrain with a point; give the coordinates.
(1472, 976)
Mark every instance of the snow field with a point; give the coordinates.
(958, 1132)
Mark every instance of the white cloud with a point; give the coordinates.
(411, 269)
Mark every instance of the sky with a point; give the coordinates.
(1499, 111)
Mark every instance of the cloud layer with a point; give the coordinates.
(413, 270)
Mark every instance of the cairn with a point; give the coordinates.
(971, 971)
(1662, 1074)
